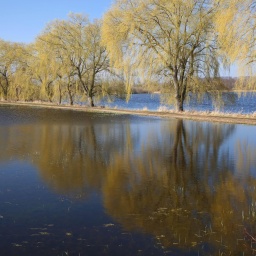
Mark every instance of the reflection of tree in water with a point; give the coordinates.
(81, 155)
(57, 151)
(175, 183)
(71, 158)
(182, 190)
(65, 162)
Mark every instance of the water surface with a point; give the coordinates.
(244, 103)
(74, 183)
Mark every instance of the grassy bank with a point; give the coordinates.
(189, 115)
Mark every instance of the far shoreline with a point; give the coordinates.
(207, 116)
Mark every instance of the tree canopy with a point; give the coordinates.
(235, 24)
(66, 62)
(76, 45)
(172, 41)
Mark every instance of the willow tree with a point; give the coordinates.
(77, 45)
(10, 62)
(61, 41)
(43, 69)
(21, 87)
(235, 24)
(236, 27)
(97, 60)
(174, 41)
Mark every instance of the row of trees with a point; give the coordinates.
(177, 45)
(66, 62)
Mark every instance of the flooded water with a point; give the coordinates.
(74, 183)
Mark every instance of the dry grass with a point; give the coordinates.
(222, 114)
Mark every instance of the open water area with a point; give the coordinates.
(77, 183)
(242, 103)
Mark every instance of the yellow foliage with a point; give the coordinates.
(235, 24)
(173, 41)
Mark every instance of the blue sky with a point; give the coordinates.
(23, 20)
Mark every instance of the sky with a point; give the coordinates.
(22, 20)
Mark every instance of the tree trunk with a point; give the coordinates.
(179, 103)
(179, 93)
(60, 95)
(60, 99)
(71, 101)
(5, 95)
(91, 89)
(5, 91)
(91, 101)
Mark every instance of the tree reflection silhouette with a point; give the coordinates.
(182, 190)
(170, 179)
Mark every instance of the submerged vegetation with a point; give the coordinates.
(173, 47)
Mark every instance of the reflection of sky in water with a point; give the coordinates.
(245, 150)
(108, 184)
(36, 221)
(242, 150)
